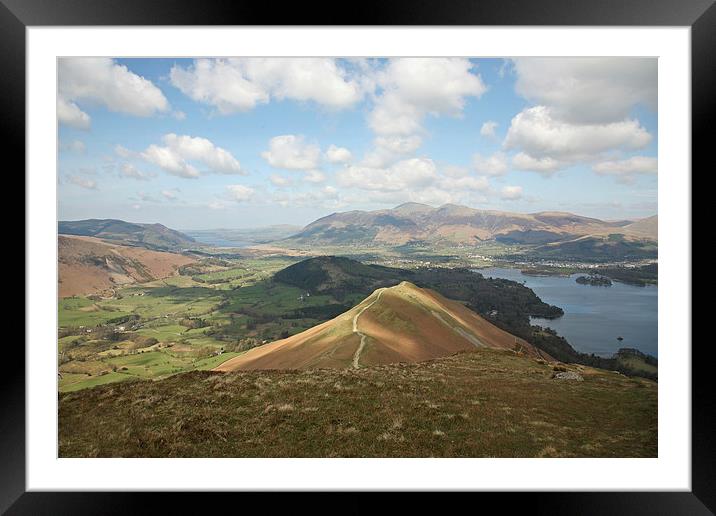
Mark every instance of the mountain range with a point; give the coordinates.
(454, 224)
(152, 236)
(409, 223)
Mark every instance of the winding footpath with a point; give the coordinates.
(356, 357)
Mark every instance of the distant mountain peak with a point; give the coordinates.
(456, 209)
(413, 207)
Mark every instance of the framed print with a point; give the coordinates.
(430, 249)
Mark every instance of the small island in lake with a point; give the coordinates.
(594, 280)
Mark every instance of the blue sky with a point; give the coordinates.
(235, 143)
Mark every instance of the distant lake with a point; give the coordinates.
(217, 241)
(594, 316)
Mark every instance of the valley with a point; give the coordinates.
(358, 257)
(214, 309)
(144, 320)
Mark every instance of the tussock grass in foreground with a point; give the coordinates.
(486, 403)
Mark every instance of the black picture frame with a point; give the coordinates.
(700, 15)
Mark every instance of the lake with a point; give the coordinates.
(222, 242)
(216, 240)
(594, 316)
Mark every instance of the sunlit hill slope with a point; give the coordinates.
(403, 323)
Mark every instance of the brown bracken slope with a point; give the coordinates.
(88, 265)
(480, 403)
(403, 323)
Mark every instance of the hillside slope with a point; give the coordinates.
(340, 276)
(152, 236)
(646, 228)
(88, 265)
(483, 403)
(508, 305)
(343, 278)
(403, 323)
(598, 248)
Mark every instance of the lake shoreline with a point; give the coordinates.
(594, 318)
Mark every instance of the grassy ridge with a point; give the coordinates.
(151, 236)
(486, 403)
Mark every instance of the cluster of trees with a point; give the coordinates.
(639, 276)
(513, 303)
(193, 322)
(594, 280)
(339, 277)
(201, 267)
(549, 341)
(125, 319)
(631, 352)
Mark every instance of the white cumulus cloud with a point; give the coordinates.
(545, 166)
(588, 90)
(124, 152)
(314, 176)
(413, 179)
(70, 114)
(625, 170)
(201, 149)
(535, 132)
(239, 84)
(511, 193)
(478, 184)
(240, 193)
(407, 174)
(584, 110)
(494, 165)
(488, 129)
(415, 87)
(292, 152)
(336, 154)
(280, 181)
(99, 80)
(130, 171)
(169, 161)
(176, 153)
(399, 144)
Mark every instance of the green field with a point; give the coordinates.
(163, 327)
(147, 365)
